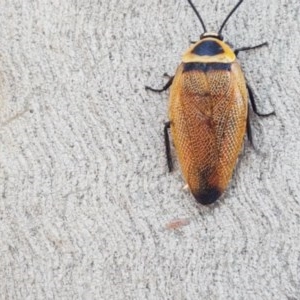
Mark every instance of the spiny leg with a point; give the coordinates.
(253, 104)
(167, 145)
(236, 51)
(166, 86)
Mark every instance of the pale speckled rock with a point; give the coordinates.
(85, 192)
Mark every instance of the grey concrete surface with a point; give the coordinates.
(85, 192)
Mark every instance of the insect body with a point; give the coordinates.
(208, 113)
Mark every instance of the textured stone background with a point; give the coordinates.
(85, 192)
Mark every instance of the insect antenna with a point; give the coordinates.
(229, 15)
(198, 15)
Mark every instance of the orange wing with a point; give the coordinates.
(208, 114)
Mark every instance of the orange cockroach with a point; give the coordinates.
(208, 113)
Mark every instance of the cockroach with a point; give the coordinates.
(209, 112)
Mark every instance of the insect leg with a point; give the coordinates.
(167, 144)
(166, 86)
(167, 75)
(253, 104)
(236, 51)
(249, 131)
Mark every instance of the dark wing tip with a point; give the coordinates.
(207, 196)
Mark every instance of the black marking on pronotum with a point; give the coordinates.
(206, 67)
(208, 48)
